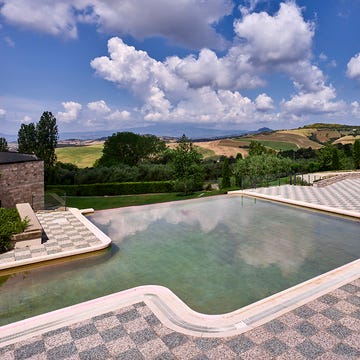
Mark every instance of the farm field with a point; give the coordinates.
(81, 156)
(276, 145)
(301, 141)
(226, 147)
(349, 139)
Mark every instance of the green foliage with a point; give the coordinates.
(69, 174)
(40, 139)
(187, 166)
(226, 174)
(46, 139)
(127, 188)
(258, 167)
(335, 161)
(326, 157)
(10, 223)
(130, 149)
(256, 148)
(356, 154)
(27, 139)
(3, 144)
(302, 153)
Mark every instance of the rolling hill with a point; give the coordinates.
(314, 136)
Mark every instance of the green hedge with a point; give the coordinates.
(126, 188)
(10, 223)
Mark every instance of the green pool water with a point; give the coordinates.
(217, 254)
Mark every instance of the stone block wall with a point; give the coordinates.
(22, 182)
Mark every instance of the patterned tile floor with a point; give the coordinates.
(326, 328)
(343, 194)
(63, 231)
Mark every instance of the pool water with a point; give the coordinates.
(217, 254)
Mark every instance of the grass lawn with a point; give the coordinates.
(81, 156)
(109, 202)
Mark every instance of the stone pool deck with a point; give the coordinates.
(151, 323)
(342, 197)
(67, 233)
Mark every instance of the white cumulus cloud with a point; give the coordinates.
(264, 102)
(355, 109)
(284, 37)
(118, 115)
(353, 67)
(188, 22)
(205, 87)
(2, 112)
(52, 17)
(320, 102)
(26, 119)
(71, 112)
(99, 107)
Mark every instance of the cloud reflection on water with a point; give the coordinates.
(263, 235)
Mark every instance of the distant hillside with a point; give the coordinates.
(84, 153)
(314, 136)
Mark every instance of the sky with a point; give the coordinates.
(218, 64)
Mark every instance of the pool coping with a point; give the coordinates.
(105, 241)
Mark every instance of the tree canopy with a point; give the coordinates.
(130, 149)
(40, 139)
(27, 138)
(3, 144)
(256, 148)
(46, 139)
(187, 165)
(356, 154)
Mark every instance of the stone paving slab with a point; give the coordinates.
(326, 328)
(343, 195)
(66, 233)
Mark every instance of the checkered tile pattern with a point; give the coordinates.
(326, 328)
(344, 194)
(63, 232)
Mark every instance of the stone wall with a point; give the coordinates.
(22, 182)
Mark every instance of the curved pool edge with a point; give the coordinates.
(176, 315)
(105, 242)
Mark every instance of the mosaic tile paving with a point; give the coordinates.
(343, 194)
(326, 328)
(63, 231)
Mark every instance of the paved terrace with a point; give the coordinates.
(128, 325)
(66, 233)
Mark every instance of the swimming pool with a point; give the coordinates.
(217, 254)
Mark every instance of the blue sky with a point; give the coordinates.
(220, 64)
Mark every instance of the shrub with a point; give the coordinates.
(126, 188)
(10, 223)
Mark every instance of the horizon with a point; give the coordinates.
(224, 66)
